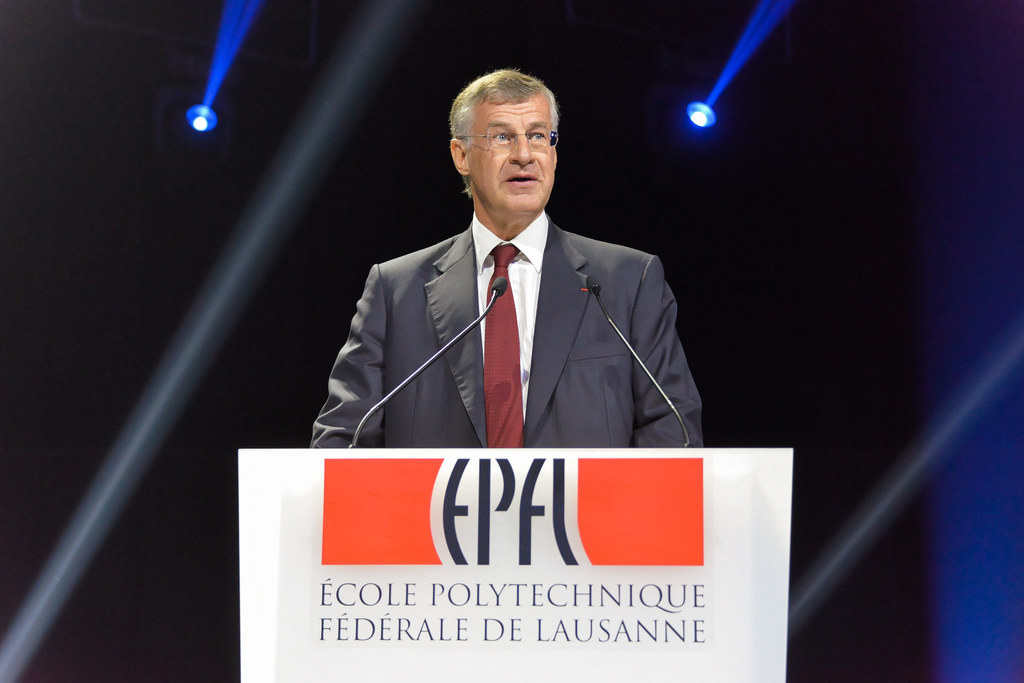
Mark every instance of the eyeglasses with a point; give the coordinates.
(504, 141)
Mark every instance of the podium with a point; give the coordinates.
(502, 565)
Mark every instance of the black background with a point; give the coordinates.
(786, 230)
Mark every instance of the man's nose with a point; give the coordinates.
(521, 151)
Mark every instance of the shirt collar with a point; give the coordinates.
(530, 242)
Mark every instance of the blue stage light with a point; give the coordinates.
(700, 114)
(201, 118)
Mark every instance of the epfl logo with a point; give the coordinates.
(527, 509)
(602, 511)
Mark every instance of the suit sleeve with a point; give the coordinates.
(356, 381)
(654, 336)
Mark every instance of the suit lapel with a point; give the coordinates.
(560, 309)
(452, 300)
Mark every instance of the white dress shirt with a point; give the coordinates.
(524, 281)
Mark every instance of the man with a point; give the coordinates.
(552, 373)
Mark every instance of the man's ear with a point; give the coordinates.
(459, 156)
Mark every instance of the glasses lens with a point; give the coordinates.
(501, 140)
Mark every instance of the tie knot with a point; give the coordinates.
(503, 255)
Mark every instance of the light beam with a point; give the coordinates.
(235, 21)
(765, 18)
(327, 120)
(999, 372)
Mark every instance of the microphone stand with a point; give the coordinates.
(498, 288)
(595, 289)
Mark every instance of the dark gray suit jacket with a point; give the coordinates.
(585, 388)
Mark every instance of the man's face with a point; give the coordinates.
(510, 187)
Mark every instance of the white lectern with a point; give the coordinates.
(541, 564)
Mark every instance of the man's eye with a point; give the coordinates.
(537, 136)
(501, 137)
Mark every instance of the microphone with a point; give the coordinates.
(595, 289)
(498, 288)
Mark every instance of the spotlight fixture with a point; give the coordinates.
(201, 118)
(701, 115)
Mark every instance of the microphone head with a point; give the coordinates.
(592, 286)
(499, 286)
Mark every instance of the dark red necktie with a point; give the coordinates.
(503, 383)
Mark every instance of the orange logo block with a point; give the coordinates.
(378, 511)
(642, 511)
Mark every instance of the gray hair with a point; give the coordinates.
(502, 86)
